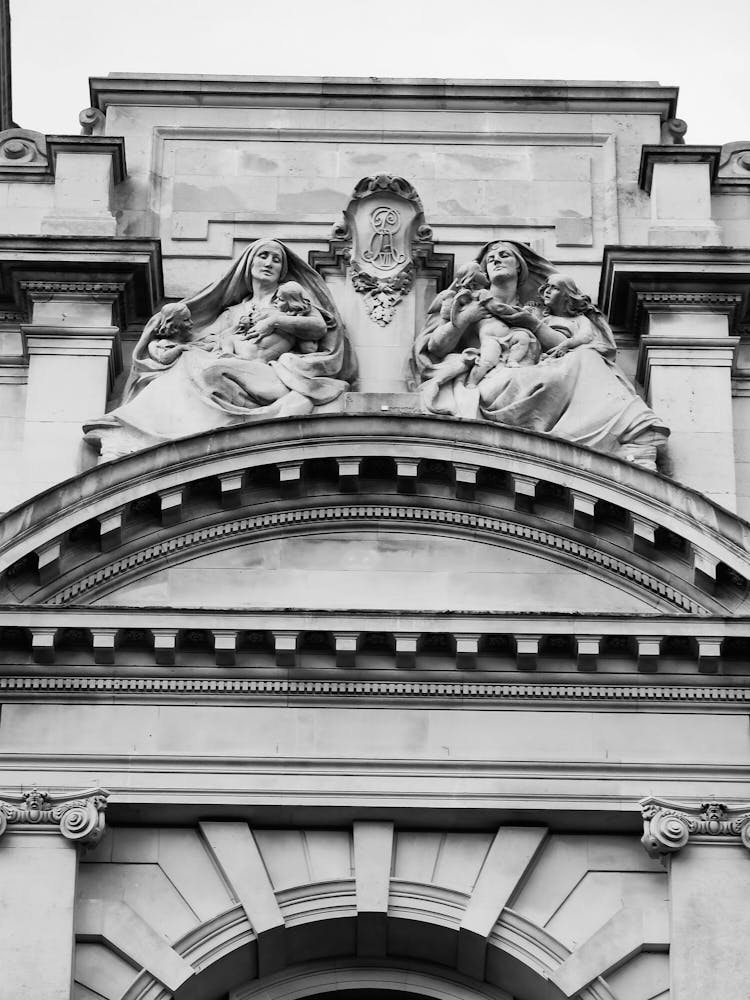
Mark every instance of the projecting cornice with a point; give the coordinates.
(370, 92)
(637, 280)
(128, 271)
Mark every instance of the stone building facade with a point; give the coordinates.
(369, 699)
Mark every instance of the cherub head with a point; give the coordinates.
(175, 322)
(472, 277)
(290, 298)
(562, 297)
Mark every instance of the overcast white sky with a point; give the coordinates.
(702, 47)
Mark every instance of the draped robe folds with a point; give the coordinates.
(582, 396)
(201, 390)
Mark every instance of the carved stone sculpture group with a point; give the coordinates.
(510, 341)
(513, 342)
(265, 340)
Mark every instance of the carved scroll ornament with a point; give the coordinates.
(20, 147)
(79, 816)
(668, 826)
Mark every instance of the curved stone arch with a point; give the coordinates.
(337, 517)
(40, 529)
(517, 949)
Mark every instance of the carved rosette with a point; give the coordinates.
(384, 224)
(668, 826)
(79, 816)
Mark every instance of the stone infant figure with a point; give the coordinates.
(569, 311)
(290, 298)
(467, 309)
(172, 333)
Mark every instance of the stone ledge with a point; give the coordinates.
(144, 90)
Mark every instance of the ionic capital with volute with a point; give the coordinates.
(78, 816)
(669, 826)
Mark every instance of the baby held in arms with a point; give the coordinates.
(473, 308)
(246, 342)
(171, 335)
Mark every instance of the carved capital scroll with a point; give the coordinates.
(79, 816)
(668, 826)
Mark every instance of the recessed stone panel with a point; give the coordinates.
(375, 569)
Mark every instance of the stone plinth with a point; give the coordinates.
(86, 169)
(679, 180)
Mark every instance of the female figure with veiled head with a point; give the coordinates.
(265, 340)
(578, 395)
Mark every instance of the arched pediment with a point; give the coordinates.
(551, 525)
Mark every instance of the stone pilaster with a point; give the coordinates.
(40, 833)
(707, 847)
(71, 297)
(74, 355)
(685, 306)
(685, 364)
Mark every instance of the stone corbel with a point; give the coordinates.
(78, 816)
(669, 826)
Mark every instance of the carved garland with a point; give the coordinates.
(399, 514)
(668, 826)
(382, 295)
(79, 816)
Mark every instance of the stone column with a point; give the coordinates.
(706, 849)
(74, 355)
(40, 834)
(685, 364)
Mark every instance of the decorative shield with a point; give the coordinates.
(384, 220)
